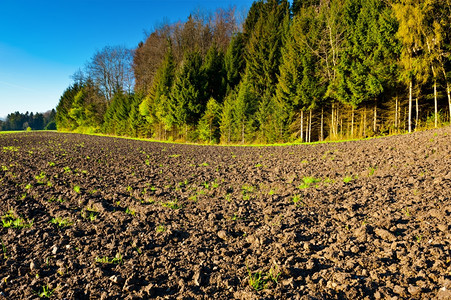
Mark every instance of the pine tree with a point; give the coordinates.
(208, 127)
(367, 59)
(154, 106)
(244, 108)
(300, 86)
(62, 118)
(116, 116)
(263, 51)
(215, 73)
(135, 120)
(227, 125)
(234, 61)
(188, 92)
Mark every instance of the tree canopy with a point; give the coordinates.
(314, 70)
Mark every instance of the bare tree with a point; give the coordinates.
(149, 55)
(111, 70)
(224, 25)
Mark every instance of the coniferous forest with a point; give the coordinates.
(29, 121)
(307, 71)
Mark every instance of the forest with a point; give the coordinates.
(30, 121)
(309, 70)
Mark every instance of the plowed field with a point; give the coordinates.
(87, 217)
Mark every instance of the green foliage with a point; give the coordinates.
(308, 181)
(234, 61)
(34, 121)
(260, 280)
(158, 107)
(188, 92)
(341, 63)
(348, 179)
(116, 116)
(10, 219)
(369, 58)
(172, 205)
(61, 222)
(209, 123)
(117, 259)
(45, 292)
(160, 228)
(214, 71)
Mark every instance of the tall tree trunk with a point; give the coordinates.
(417, 116)
(375, 117)
(322, 124)
(448, 92)
(436, 105)
(352, 122)
(310, 128)
(302, 126)
(332, 125)
(364, 122)
(396, 114)
(410, 107)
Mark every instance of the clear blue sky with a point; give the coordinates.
(43, 42)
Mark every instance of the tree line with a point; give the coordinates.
(313, 70)
(34, 121)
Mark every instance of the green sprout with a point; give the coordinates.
(160, 228)
(106, 260)
(61, 223)
(172, 205)
(308, 181)
(46, 292)
(348, 179)
(77, 189)
(259, 280)
(130, 211)
(11, 220)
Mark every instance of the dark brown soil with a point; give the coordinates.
(357, 220)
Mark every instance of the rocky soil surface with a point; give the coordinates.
(87, 217)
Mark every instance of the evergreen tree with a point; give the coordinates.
(188, 92)
(298, 5)
(215, 73)
(234, 61)
(227, 125)
(208, 127)
(62, 118)
(244, 108)
(264, 46)
(154, 107)
(300, 86)
(135, 120)
(367, 62)
(116, 116)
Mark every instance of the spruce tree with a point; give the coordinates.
(234, 61)
(227, 125)
(188, 92)
(208, 127)
(263, 51)
(215, 73)
(244, 108)
(154, 106)
(62, 118)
